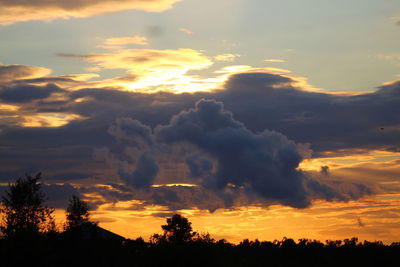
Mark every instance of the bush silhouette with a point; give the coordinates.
(178, 230)
(23, 210)
(77, 214)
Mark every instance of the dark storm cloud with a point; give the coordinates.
(266, 162)
(26, 92)
(58, 152)
(57, 195)
(327, 121)
(131, 131)
(249, 168)
(121, 124)
(134, 134)
(144, 174)
(198, 166)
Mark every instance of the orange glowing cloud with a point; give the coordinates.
(8, 108)
(367, 219)
(48, 119)
(150, 70)
(12, 11)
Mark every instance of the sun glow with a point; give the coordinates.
(351, 158)
(49, 119)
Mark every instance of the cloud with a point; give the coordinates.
(227, 163)
(12, 11)
(152, 69)
(293, 115)
(267, 161)
(360, 223)
(16, 72)
(187, 31)
(324, 170)
(132, 131)
(144, 174)
(138, 40)
(48, 119)
(275, 60)
(227, 57)
(25, 93)
(136, 138)
(58, 195)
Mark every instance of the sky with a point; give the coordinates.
(253, 118)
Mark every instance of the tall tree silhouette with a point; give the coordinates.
(77, 214)
(23, 210)
(178, 229)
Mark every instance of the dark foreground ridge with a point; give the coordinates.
(29, 237)
(61, 250)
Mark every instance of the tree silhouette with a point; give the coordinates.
(23, 209)
(77, 214)
(178, 229)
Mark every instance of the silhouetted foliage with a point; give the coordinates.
(77, 214)
(23, 210)
(178, 230)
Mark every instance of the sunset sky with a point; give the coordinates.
(253, 118)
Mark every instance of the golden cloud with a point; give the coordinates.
(153, 70)
(48, 119)
(12, 11)
(324, 220)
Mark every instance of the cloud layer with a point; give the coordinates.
(197, 143)
(227, 163)
(12, 11)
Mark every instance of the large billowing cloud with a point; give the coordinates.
(12, 11)
(264, 162)
(225, 159)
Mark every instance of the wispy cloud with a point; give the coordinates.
(15, 11)
(187, 31)
(138, 40)
(275, 60)
(227, 57)
(16, 72)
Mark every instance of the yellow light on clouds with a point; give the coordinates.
(8, 108)
(48, 119)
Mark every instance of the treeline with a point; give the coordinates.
(30, 238)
